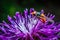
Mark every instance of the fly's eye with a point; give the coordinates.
(33, 12)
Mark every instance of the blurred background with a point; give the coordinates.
(9, 7)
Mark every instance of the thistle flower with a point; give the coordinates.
(28, 27)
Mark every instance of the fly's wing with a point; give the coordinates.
(49, 20)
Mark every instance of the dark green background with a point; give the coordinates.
(9, 7)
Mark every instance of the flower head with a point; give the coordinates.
(30, 27)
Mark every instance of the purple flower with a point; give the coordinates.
(28, 27)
